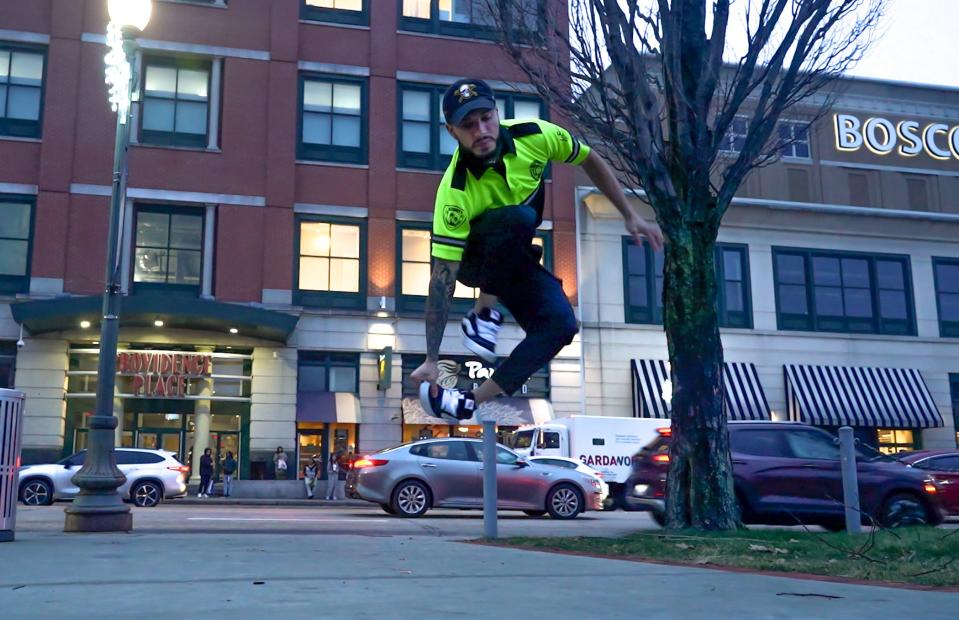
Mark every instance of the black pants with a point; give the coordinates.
(499, 260)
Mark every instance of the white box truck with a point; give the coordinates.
(605, 443)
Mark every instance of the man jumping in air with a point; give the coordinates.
(488, 206)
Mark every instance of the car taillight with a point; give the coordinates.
(180, 468)
(660, 458)
(666, 431)
(365, 462)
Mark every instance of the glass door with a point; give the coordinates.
(308, 444)
(223, 442)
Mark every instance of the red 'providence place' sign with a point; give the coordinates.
(162, 374)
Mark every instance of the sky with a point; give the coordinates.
(916, 44)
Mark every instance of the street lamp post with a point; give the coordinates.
(98, 507)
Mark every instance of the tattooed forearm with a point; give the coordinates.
(442, 285)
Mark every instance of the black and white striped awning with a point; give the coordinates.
(744, 396)
(869, 397)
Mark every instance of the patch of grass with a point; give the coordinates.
(919, 555)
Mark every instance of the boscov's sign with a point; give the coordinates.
(906, 138)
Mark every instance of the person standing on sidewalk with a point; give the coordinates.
(332, 470)
(310, 471)
(279, 463)
(229, 468)
(206, 473)
(488, 206)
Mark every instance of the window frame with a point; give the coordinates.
(954, 393)
(794, 123)
(654, 315)
(728, 145)
(152, 137)
(330, 152)
(185, 290)
(10, 284)
(22, 128)
(947, 328)
(336, 16)
(331, 299)
(435, 26)
(328, 360)
(814, 322)
(435, 160)
(460, 305)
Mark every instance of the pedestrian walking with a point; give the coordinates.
(310, 471)
(332, 470)
(279, 463)
(229, 468)
(488, 206)
(206, 473)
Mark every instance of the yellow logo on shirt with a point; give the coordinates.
(454, 216)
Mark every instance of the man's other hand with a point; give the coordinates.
(642, 230)
(427, 371)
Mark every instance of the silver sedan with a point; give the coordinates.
(410, 479)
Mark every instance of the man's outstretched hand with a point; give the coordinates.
(642, 230)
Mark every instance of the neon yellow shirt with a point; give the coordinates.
(469, 188)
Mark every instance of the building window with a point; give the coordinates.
(16, 226)
(735, 137)
(424, 141)
(793, 139)
(176, 102)
(21, 91)
(330, 268)
(415, 266)
(340, 11)
(896, 440)
(643, 275)
(328, 372)
(8, 364)
(168, 250)
(946, 272)
(954, 390)
(465, 18)
(332, 119)
(843, 292)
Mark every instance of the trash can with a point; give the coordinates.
(11, 429)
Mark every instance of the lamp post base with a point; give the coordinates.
(98, 513)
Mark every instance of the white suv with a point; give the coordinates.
(152, 476)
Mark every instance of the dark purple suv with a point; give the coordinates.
(788, 473)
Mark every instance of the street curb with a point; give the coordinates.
(256, 501)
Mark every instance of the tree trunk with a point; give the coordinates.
(700, 485)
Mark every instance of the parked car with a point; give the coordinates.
(410, 479)
(152, 476)
(943, 465)
(786, 473)
(568, 463)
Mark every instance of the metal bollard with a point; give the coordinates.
(489, 479)
(850, 480)
(11, 431)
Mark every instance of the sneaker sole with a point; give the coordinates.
(479, 350)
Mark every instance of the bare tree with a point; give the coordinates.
(657, 85)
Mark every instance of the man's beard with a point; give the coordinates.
(486, 160)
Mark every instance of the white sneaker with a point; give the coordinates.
(480, 331)
(449, 404)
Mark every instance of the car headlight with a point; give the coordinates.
(595, 483)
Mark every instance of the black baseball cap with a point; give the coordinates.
(464, 96)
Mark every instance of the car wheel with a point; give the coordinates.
(564, 502)
(36, 492)
(411, 499)
(535, 513)
(388, 509)
(902, 509)
(146, 494)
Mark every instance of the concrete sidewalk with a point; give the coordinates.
(230, 575)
